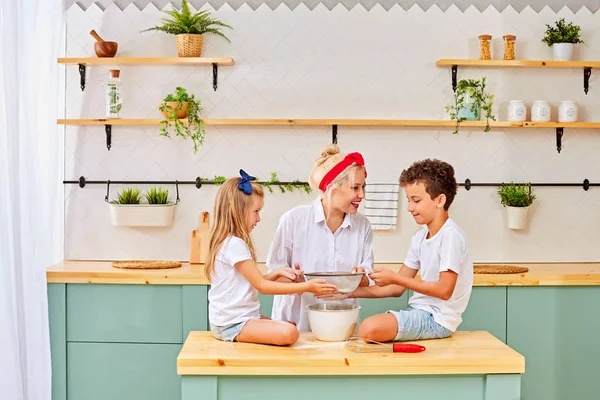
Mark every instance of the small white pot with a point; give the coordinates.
(517, 111)
(142, 214)
(567, 111)
(517, 217)
(541, 111)
(562, 51)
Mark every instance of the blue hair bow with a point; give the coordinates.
(244, 182)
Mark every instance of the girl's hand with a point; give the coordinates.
(319, 287)
(383, 276)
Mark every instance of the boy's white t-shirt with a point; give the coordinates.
(232, 299)
(446, 250)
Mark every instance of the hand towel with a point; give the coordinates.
(381, 205)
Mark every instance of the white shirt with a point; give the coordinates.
(232, 299)
(447, 250)
(303, 238)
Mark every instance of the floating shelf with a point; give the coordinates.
(83, 62)
(585, 65)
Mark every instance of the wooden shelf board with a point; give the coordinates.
(148, 61)
(517, 63)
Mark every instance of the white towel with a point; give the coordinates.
(381, 205)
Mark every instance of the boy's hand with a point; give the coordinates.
(383, 276)
(318, 287)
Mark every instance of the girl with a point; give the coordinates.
(235, 278)
(328, 235)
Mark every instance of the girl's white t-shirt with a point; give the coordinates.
(447, 250)
(232, 299)
(303, 238)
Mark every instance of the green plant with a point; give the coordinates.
(128, 196)
(562, 32)
(516, 195)
(182, 22)
(294, 185)
(157, 196)
(475, 90)
(194, 129)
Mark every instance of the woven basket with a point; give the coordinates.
(146, 264)
(499, 269)
(189, 45)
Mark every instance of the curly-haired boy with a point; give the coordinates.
(439, 252)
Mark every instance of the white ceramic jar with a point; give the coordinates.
(517, 111)
(567, 111)
(541, 111)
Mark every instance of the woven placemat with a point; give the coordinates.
(498, 269)
(146, 264)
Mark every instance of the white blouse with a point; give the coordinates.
(303, 238)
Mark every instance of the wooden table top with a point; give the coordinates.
(542, 274)
(470, 352)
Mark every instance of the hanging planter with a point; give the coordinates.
(127, 210)
(470, 100)
(516, 198)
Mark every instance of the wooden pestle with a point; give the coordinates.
(96, 36)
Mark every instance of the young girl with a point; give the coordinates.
(326, 236)
(235, 278)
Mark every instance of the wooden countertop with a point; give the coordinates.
(475, 352)
(542, 274)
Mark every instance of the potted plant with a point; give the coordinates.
(128, 210)
(177, 107)
(188, 29)
(562, 37)
(516, 198)
(470, 99)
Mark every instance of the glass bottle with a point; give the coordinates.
(509, 47)
(484, 47)
(114, 96)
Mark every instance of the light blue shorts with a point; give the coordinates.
(415, 324)
(227, 333)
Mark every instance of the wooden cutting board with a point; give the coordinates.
(199, 241)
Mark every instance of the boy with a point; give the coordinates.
(439, 252)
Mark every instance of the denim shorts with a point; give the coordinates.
(415, 324)
(227, 333)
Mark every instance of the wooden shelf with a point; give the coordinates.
(147, 61)
(517, 63)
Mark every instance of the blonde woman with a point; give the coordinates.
(326, 236)
(235, 279)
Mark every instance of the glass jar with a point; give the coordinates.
(484, 47)
(509, 47)
(567, 111)
(517, 111)
(541, 111)
(114, 96)
(470, 110)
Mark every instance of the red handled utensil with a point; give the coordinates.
(360, 345)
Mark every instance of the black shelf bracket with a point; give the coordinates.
(82, 76)
(559, 135)
(108, 130)
(587, 72)
(454, 73)
(334, 134)
(215, 74)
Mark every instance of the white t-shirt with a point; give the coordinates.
(446, 250)
(303, 238)
(231, 297)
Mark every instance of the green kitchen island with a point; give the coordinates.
(467, 366)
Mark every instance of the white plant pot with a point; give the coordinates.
(562, 51)
(517, 217)
(142, 214)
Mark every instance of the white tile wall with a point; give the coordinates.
(334, 64)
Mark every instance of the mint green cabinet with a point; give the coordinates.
(123, 371)
(57, 318)
(486, 312)
(557, 330)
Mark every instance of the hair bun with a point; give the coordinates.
(326, 152)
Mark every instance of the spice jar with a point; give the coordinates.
(484, 47)
(509, 47)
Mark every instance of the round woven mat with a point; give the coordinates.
(146, 264)
(498, 269)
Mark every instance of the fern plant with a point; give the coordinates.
(194, 128)
(516, 195)
(128, 196)
(157, 196)
(184, 22)
(481, 100)
(562, 32)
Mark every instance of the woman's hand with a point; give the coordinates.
(365, 280)
(291, 274)
(383, 276)
(318, 287)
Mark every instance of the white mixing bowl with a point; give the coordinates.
(333, 322)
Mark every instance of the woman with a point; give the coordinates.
(326, 236)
